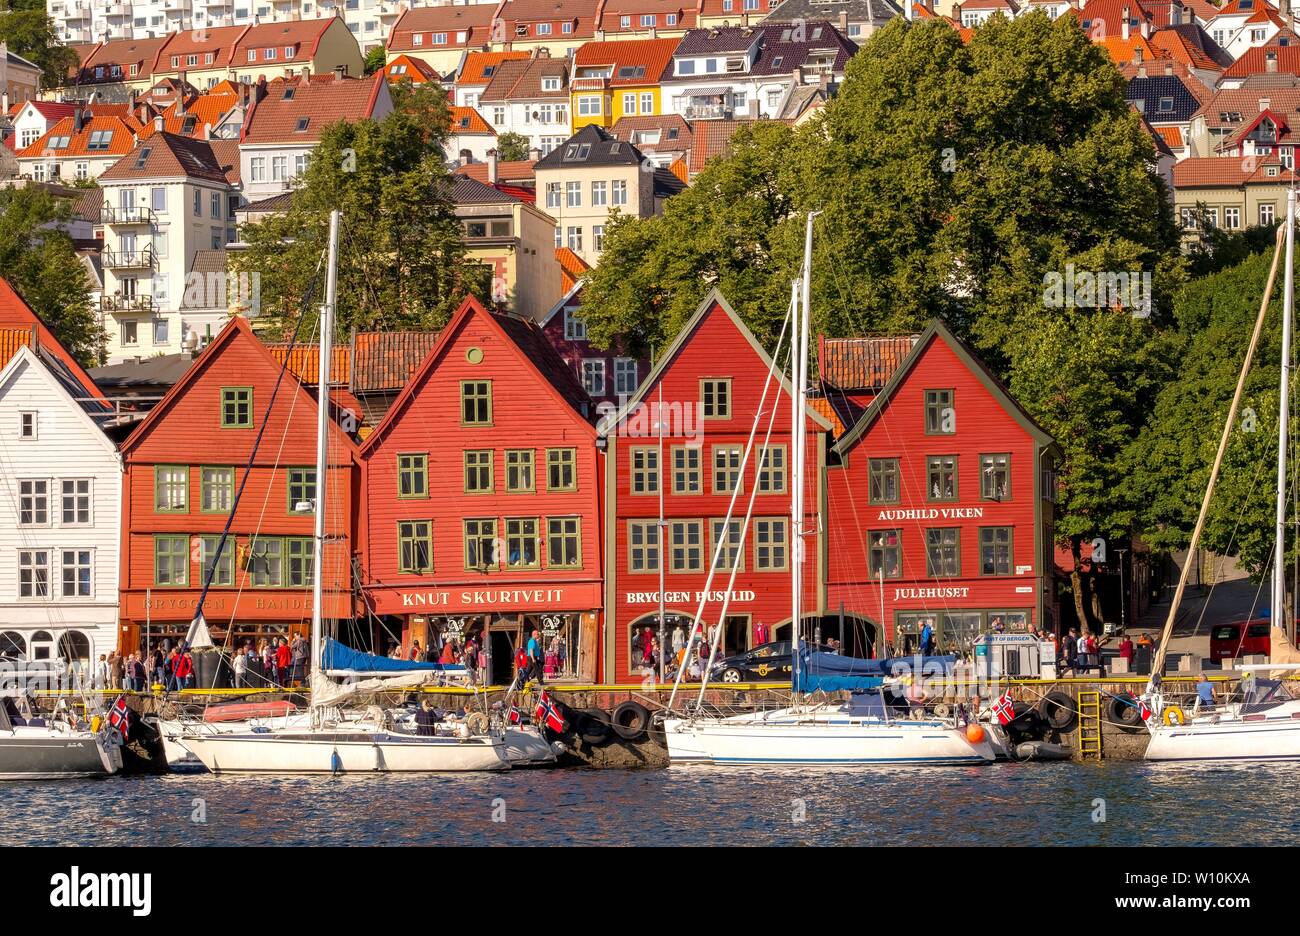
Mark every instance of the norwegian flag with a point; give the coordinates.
(516, 716)
(1144, 710)
(1004, 709)
(546, 713)
(119, 716)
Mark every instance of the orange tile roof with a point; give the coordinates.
(681, 170)
(572, 267)
(123, 53)
(612, 12)
(304, 362)
(406, 68)
(219, 41)
(1225, 172)
(167, 155)
(1122, 50)
(11, 339)
(507, 170)
(468, 120)
(206, 109)
(653, 55)
(120, 143)
(384, 361)
(823, 406)
(15, 313)
(864, 363)
(303, 36)
(1172, 136)
(1173, 44)
(1255, 61)
(322, 100)
(474, 20)
(472, 72)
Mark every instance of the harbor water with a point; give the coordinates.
(1114, 803)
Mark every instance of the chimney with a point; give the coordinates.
(1142, 69)
(181, 81)
(1146, 28)
(180, 102)
(796, 74)
(466, 157)
(600, 35)
(654, 32)
(1263, 104)
(844, 22)
(1176, 14)
(534, 154)
(340, 72)
(1124, 27)
(158, 123)
(78, 119)
(207, 131)
(492, 166)
(1137, 56)
(1169, 69)
(1270, 61)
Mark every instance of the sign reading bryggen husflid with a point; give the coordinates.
(940, 494)
(482, 500)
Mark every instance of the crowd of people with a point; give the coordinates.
(276, 662)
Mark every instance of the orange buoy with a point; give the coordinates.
(974, 733)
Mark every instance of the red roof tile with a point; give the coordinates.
(650, 57)
(167, 155)
(480, 66)
(526, 15)
(1256, 61)
(474, 20)
(121, 141)
(613, 11)
(1227, 171)
(384, 361)
(17, 314)
(320, 100)
(507, 171)
(304, 362)
(302, 36)
(572, 267)
(468, 120)
(406, 68)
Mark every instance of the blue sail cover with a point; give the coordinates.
(335, 656)
(830, 672)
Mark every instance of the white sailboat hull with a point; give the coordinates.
(1271, 738)
(784, 739)
(345, 752)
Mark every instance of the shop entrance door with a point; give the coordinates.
(503, 658)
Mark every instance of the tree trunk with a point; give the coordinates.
(1076, 583)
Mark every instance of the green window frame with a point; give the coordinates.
(941, 477)
(732, 556)
(771, 470)
(885, 551)
(479, 535)
(266, 562)
(171, 489)
(521, 475)
(216, 489)
(686, 469)
(478, 471)
(476, 402)
(415, 546)
(412, 475)
(300, 486)
(771, 544)
(521, 543)
(686, 546)
(643, 545)
(236, 407)
(564, 542)
(299, 562)
(715, 397)
(727, 475)
(225, 566)
(171, 560)
(643, 462)
(883, 486)
(562, 469)
(996, 550)
(943, 552)
(995, 476)
(937, 403)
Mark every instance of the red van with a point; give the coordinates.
(1244, 638)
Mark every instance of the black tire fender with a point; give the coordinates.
(594, 726)
(1059, 710)
(630, 720)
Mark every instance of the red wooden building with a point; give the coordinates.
(941, 484)
(710, 382)
(610, 376)
(184, 464)
(482, 503)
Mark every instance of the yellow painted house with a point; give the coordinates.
(612, 80)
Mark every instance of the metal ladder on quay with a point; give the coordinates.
(1089, 734)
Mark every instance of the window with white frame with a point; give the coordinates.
(573, 194)
(33, 573)
(552, 194)
(593, 376)
(575, 329)
(625, 381)
(257, 168)
(27, 425)
(74, 507)
(619, 187)
(599, 194)
(77, 576)
(598, 236)
(34, 503)
(629, 103)
(575, 239)
(647, 102)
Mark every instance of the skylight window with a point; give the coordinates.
(288, 94)
(302, 124)
(59, 142)
(143, 157)
(100, 139)
(578, 151)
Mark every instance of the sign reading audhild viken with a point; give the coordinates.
(78, 890)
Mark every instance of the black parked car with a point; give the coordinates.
(769, 661)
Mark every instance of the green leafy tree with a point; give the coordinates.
(38, 259)
(29, 31)
(512, 146)
(376, 58)
(402, 255)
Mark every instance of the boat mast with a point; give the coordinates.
(798, 407)
(659, 464)
(1284, 413)
(322, 436)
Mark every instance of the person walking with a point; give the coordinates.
(240, 666)
(184, 670)
(1070, 647)
(535, 657)
(101, 673)
(298, 651)
(283, 660)
(927, 638)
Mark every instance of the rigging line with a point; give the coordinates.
(257, 441)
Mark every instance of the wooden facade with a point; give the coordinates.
(482, 499)
(947, 486)
(710, 383)
(184, 465)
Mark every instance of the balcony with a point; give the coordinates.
(77, 12)
(588, 84)
(77, 35)
(176, 6)
(142, 259)
(709, 111)
(126, 304)
(118, 9)
(126, 214)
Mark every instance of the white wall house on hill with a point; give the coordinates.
(60, 517)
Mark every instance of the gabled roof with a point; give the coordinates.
(519, 170)
(1231, 108)
(73, 389)
(384, 361)
(303, 36)
(714, 300)
(16, 313)
(938, 331)
(409, 68)
(582, 13)
(468, 191)
(602, 149)
(122, 53)
(121, 140)
(572, 267)
(674, 132)
(521, 79)
(203, 110)
(217, 40)
(467, 120)
(50, 110)
(612, 12)
(474, 19)
(783, 47)
(865, 363)
(1256, 61)
(304, 362)
(166, 156)
(535, 350)
(1152, 89)
(711, 138)
(1225, 172)
(631, 62)
(873, 12)
(320, 100)
(237, 329)
(479, 67)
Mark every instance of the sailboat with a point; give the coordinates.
(863, 731)
(329, 743)
(34, 747)
(1264, 724)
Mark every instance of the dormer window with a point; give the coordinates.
(188, 126)
(551, 83)
(1271, 172)
(1166, 105)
